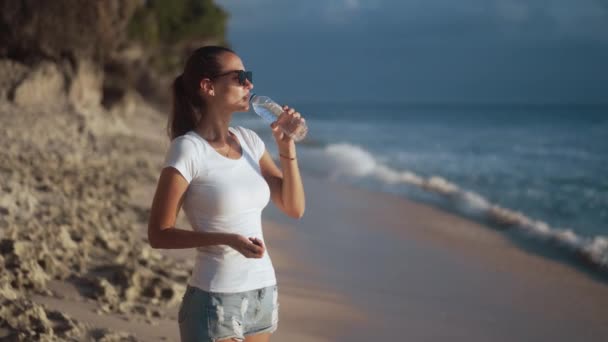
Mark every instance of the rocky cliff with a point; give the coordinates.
(75, 148)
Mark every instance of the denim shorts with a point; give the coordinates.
(212, 316)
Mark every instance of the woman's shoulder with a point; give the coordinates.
(247, 133)
(252, 140)
(189, 138)
(186, 143)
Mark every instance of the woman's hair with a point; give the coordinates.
(188, 105)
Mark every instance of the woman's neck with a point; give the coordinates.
(214, 127)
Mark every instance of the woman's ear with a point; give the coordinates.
(207, 87)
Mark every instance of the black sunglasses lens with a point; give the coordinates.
(245, 75)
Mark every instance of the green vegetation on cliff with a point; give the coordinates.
(171, 21)
(137, 44)
(175, 24)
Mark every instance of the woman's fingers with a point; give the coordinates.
(254, 249)
(252, 255)
(250, 247)
(286, 117)
(276, 131)
(257, 241)
(290, 111)
(289, 118)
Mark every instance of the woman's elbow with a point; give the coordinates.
(296, 214)
(154, 239)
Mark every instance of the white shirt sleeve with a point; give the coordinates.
(255, 142)
(182, 156)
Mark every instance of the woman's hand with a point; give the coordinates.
(290, 119)
(248, 247)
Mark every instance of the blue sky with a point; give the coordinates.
(425, 50)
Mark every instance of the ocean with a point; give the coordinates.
(542, 170)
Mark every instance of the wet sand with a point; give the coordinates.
(422, 274)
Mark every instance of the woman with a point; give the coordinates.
(223, 177)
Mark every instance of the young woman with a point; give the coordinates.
(223, 177)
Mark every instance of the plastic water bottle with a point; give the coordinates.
(269, 110)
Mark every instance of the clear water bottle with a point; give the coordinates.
(269, 110)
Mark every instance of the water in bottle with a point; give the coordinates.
(269, 110)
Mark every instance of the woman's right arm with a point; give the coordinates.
(162, 232)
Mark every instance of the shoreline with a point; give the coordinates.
(422, 257)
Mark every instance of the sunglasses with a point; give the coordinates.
(243, 75)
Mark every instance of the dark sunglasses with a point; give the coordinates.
(243, 75)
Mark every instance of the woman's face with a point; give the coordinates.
(229, 93)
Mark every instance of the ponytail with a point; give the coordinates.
(184, 115)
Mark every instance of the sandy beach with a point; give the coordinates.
(422, 274)
(359, 266)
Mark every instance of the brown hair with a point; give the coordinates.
(188, 105)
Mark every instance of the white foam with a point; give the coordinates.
(440, 185)
(348, 160)
(476, 200)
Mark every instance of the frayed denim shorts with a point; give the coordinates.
(212, 316)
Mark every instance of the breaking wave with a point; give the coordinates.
(347, 160)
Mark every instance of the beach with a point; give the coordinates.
(359, 266)
(454, 169)
(422, 274)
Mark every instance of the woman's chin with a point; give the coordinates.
(240, 106)
(243, 108)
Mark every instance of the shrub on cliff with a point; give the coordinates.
(170, 26)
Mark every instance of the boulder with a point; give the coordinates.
(42, 86)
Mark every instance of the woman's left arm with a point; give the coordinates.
(286, 189)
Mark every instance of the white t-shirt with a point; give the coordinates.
(224, 195)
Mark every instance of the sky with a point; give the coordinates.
(428, 51)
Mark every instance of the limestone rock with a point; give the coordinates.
(85, 91)
(43, 86)
(11, 73)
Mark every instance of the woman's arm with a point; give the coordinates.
(161, 224)
(287, 191)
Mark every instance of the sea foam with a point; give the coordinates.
(344, 160)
